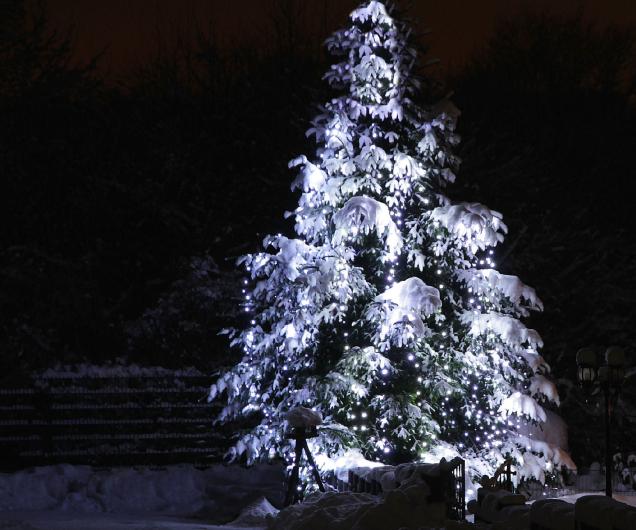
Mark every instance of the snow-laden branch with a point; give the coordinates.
(310, 178)
(376, 11)
(406, 166)
(522, 405)
(487, 280)
(541, 386)
(291, 256)
(508, 329)
(362, 215)
(474, 225)
(403, 306)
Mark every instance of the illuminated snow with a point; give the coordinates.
(522, 405)
(408, 301)
(477, 226)
(364, 215)
(509, 329)
(486, 280)
(311, 177)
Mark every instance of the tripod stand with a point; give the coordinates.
(301, 435)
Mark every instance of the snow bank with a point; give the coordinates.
(104, 521)
(399, 508)
(409, 500)
(219, 491)
(552, 513)
(257, 513)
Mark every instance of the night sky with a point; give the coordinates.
(129, 29)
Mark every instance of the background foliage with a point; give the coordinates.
(124, 206)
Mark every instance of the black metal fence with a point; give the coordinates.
(109, 420)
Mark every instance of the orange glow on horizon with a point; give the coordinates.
(130, 31)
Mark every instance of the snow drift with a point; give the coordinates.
(219, 491)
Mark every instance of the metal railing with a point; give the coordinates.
(136, 419)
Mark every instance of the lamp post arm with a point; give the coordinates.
(608, 447)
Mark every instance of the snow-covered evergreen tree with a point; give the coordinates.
(386, 313)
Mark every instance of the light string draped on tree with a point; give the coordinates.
(386, 313)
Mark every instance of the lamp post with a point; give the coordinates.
(609, 377)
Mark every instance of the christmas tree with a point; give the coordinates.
(386, 313)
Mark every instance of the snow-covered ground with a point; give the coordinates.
(621, 497)
(53, 520)
(66, 497)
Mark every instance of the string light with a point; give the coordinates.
(441, 349)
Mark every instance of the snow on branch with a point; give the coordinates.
(363, 215)
(372, 157)
(535, 467)
(474, 224)
(403, 305)
(374, 10)
(372, 67)
(291, 256)
(310, 178)
(542, 386)
(412, 295)
(549, 438)
(303, 417)
(484, 280)
(509, 329)
(535, 361)
(407, 166)
(522, 405)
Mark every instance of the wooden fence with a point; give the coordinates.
(109, 420)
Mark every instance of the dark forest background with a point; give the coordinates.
(123, 207)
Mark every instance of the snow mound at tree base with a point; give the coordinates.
(361, 511)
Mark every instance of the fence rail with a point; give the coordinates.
(127, 419)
